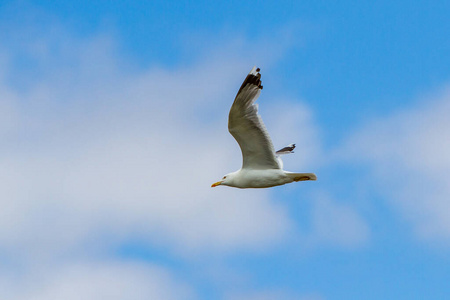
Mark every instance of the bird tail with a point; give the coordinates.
(301, 176)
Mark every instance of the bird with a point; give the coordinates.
(262, 167)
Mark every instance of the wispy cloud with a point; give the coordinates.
(98, 152)
(126, 154)
(408, 154)
(112, 280)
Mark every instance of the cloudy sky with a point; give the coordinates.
(113, 126)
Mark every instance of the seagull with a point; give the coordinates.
(261, 165)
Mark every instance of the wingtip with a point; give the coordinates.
(255, 70)
(253, 78)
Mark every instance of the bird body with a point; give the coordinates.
(248, 178)
(261, 165)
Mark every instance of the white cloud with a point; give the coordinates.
(93, 151)
(408, 152)
(97, 153)
(91, 281)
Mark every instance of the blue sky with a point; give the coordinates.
(113, 121)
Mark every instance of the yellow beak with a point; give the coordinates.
(216, 184)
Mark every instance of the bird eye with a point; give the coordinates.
(224, 177)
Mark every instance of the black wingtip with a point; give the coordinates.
(252, 79)
(288, 149)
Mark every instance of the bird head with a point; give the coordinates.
(226, 180)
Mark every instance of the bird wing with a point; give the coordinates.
(247, 127)
(286, 150)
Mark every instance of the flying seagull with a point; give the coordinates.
(261, 165)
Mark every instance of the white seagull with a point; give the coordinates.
(261, 165)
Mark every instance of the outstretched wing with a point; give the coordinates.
(286, 150)
(247, 127)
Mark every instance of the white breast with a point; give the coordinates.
(246, 178)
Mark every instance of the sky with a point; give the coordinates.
(113, 126)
